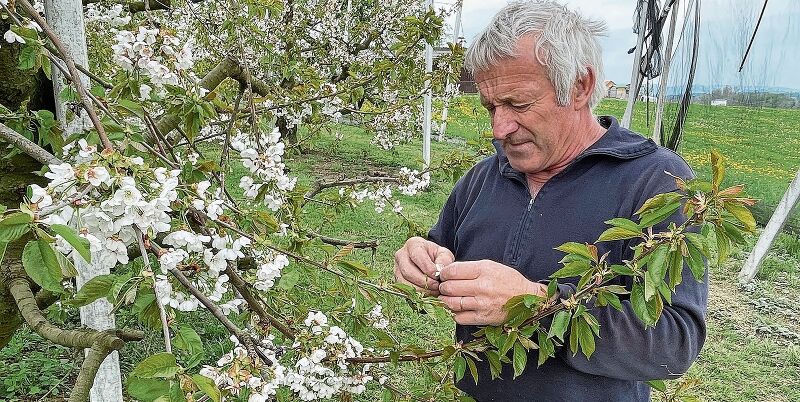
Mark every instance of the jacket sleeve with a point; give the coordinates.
(625, 349)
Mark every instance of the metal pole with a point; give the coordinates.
(456, 32)
(662, 86)
(774, 226)
(635, 79)
(426, 125)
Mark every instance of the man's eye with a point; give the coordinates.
(523, 106)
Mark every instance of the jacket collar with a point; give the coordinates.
(617, 142)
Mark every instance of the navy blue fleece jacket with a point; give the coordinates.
(490, 215)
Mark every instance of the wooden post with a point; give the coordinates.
(662, 85)
(779, 218)
(635, 73)
(66, 19)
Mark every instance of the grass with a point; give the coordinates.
(752, 351)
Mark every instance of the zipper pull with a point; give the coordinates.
(530, 205)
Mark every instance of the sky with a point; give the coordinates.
(726, 26)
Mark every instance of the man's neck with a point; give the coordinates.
(586, 132)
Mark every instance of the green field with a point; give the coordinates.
(753, 347)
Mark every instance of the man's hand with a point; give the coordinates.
(415, 264)
(476, 291)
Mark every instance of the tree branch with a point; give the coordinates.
(27, 146)
(318, 186)
(101, 343)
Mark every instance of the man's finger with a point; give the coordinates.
(444, 256)
(458, 288)
(462, 270)
(468, 317)
(423, 259)
(407, 272)
(460, 303)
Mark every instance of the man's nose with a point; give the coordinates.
(504, 122)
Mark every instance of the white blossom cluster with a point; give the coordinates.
(376, 317)
(267, 167)
(214, 252)
(139, 198)
(142, 51)
(318, 371)
(111, 15)
(269, 269)
(136, 201)
(414, 181)
(379, 196)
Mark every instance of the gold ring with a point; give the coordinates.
(461, 304)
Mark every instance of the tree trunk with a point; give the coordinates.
(32, 91)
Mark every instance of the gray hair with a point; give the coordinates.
(566, 44)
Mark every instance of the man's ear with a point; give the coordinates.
(583, 89)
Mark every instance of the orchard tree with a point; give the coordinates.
(182, 93)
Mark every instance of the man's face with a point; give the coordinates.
(524, 111)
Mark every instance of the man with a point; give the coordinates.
(558, 174)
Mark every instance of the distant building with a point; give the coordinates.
(645, 98)
(615, 91)
(719, 102)
(466, 83)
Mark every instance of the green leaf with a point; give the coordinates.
(576, 248)
(657, 216)
(354, 267)
(208, 387)
(473, 370)
(520, 359)
(696, 262)
(459, 367)
(41, 265)
(97, 287)
(573, 268)
(717, 169)
(723, 244)
(655, 202)
(618, 233)
(546, 348)
(80, 244)
(622, 270)
(699, 241)
(586, 338)
(657, 265)
(559, 325)
(289, 278)
(161, 365)
(639, 305)
(495, 367)
(675, 269)
(13, 226)
(624, 224)
(188, 340)
(657, 385)
(742, 214)
(147, 389)
(3, 246)
(510, 340)
(27, 57)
